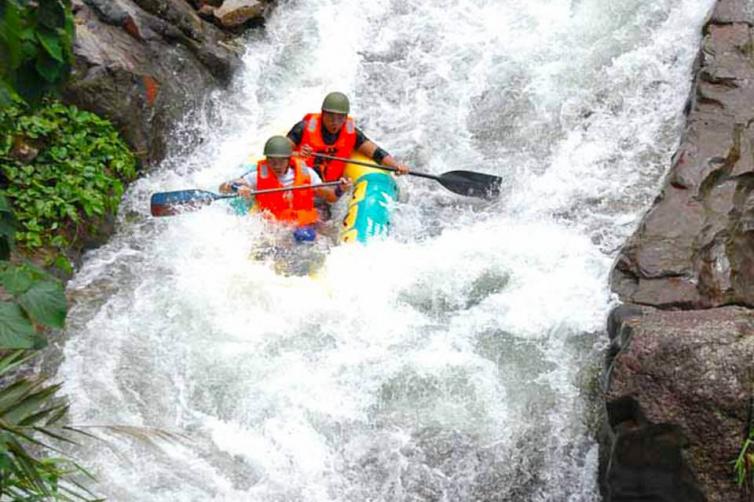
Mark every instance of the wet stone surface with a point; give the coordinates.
(679, 379)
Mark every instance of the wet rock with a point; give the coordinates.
(680, 380)
(678, 399)
(234, 14)
(144, 64)
(687, 252)
(733, 11)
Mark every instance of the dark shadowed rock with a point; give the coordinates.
(678, 399)
(144, 64)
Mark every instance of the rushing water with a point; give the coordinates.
(455, 360)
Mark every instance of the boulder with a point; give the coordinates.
(690, 250)
(144, 64)
(678, 399)
(680, 379)
(234, 14)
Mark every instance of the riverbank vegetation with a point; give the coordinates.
(62, 173)
(31, 414)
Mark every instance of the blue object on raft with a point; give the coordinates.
(305, 234)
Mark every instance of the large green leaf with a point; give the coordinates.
(16, 331)
(45, 303)
(22, 410)
(49, 68)
(13, 359)
(51, 42)
(12, 25)
(14, 393)
(16, 279)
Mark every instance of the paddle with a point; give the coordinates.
(171, 203)
(468, 183)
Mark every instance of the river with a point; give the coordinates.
(456, 360)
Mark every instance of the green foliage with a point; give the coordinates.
(30, 298)
(30, 416)
(744, 465)
(62, 169)
(7, 228)
(30, 413)
(36, 39)
(36, 299)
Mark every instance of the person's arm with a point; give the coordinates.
(230, 186)
(243, 186)
(330, 194)
(296, 134)
(380, 156)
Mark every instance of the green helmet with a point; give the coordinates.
(336, 102)
(278, 146)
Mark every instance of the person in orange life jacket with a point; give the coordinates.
(333, 132)
(280, 169)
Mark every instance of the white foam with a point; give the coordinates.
(441, 363)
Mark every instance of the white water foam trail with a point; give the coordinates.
(453, 361)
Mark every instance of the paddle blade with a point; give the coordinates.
(171, 203)
(473, 184)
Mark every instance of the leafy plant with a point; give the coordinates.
(744, 465)
(29, 409)
(62, 169)
(28, 412)
(36, 300)
(36, 37)
(29, 297)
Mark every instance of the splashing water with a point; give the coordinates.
(454, 360)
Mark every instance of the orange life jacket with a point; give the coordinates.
(294, 206)
(329, 170)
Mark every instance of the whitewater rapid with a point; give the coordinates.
(456, 360)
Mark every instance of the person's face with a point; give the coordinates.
(279, 165)
(333, 121)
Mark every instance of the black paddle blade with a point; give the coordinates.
(172, 203)
(473, 184)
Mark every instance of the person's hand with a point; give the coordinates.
(345, 183)
(401, 169)
(244, 191)
(306, 152)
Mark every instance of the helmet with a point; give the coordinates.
(336, 102)
(278, 146)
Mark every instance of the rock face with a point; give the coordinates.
(144, 63)
(680, 383)
(679, 380)
(694, 248)
(234, 14)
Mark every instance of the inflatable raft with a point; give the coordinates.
(368, 215)
(374, 193)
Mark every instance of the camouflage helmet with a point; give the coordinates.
(278, 146)
(336, 102)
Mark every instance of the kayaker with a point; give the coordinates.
(333, 132)
(281, 169)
